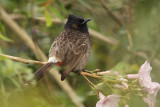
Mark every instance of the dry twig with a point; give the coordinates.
(22, 60)
(110, 13)
(91, 75)
(93, 33)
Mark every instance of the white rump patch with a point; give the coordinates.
(53, 59)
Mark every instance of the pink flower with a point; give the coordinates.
(144, 78)
(152, 91)
(132, 76)
(125, 85)
(119, 86)
(126, 105)
(115, 73)
(147, 85)
(109, 101)
(144, 75)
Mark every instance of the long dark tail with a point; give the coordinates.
(39, 73)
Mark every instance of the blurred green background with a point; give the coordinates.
(134, 24)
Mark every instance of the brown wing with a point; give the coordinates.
(72, 59)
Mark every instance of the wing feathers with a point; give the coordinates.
(70, 62)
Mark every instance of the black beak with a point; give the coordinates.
(86, 20)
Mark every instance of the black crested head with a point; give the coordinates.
(77, 23)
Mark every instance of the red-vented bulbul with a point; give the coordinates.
(71, 49)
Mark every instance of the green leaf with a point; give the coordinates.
(48, 19)
(5, 38)
(2, 29)
(2, 90)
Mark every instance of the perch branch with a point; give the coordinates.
(26, 61)
(22, 60)
(91, 75)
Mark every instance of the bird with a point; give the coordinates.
(70, 50)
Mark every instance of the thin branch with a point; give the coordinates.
(91, 75)
(23, 60)
(93, 33)
(91, 84)
(101, 37)
(129, 38)
(39, 54)
(110, 13)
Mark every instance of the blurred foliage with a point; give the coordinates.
(141, 22)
